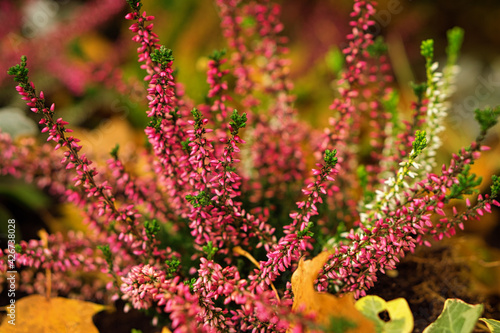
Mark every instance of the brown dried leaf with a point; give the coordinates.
(325, 306)
(35, 313)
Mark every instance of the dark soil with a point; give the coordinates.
(427, 278)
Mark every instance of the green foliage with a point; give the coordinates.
(135, 5)
(334, 59)
(237, 122)
(390, 103)
(331, 157)
(467, 184)
(217, 55)
(401, 318)
(340, 325)
(419, 90)
(114, 152)
(190, 283)
(362, 175)
(248, 22)
(18, 248)
(175, 114)
(455, 39)
(107, 255)
(307, 231)
(152, 228)
(368, 196)
(20, 72)
(419, 143)
(378, 48)
(173, 266)
(493, 325)
(487, 118)
(198, 118)
(185, 145)
(200, 200)
(427, 49)
(495, 187)
(210, 250)
(162, 56)
(155, 123)
(457, 317)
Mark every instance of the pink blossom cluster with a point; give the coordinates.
(205, 236)
(30, 34)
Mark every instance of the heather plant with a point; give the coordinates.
(237, 189)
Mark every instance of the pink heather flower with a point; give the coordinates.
(195, 193)
(142, 285)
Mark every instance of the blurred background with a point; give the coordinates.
(81, 55)
(78, 51)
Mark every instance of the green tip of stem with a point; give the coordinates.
(487, 118)
(420, 142)
(427, 49)
(495, 187)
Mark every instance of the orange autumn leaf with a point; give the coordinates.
(36, 313)
(325, 306)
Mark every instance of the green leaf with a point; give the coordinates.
(455, 39)
(210, 250)
(114, 151)
(419, 143)
(487, 118)
(248, 22)
(401, 318)
(135, 5)
(163, 56)
(457, 317)
(27, 195)
(492, 324)
(152, 228)
(378, 48)
(340, 325)
(390, 103)
(419, 90)
(334, 60)
(237, 122)
(331, 157)
(217, 55)
(427, 49)
(20, 72)
(495, 188)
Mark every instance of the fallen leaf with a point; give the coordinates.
(326, 307)
(36, 313)
(493, 325)
(101, 140)
(457, 317)
(400, 316)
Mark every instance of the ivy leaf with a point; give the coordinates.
(492, 324)
(457, 317)
(401, 318)
(36, 313)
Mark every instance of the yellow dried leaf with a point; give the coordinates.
(325, 306)
(35, 313)
(100, 141)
